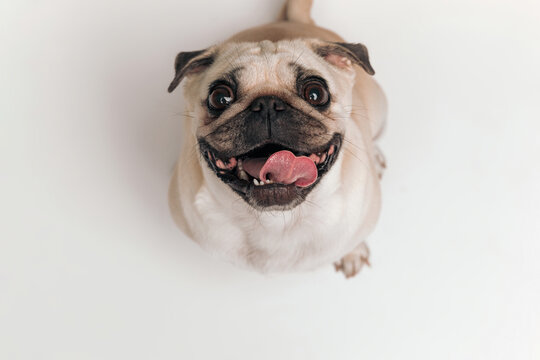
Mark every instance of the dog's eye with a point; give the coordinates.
(221, 97)
(316, 94)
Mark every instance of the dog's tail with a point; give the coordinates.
(297, 11)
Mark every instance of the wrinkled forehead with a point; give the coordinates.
(268, 63)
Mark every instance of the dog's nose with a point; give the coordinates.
(267, 114)
(268, 104)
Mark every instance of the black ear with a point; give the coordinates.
(190, 62)
(337, 53)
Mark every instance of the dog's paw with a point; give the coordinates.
(352, 263)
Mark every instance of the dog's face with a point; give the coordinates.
(271, 116)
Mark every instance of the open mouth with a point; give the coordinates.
(273, 176)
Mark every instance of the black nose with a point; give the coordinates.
(268, 105)
(268, 114)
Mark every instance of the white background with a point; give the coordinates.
(92, 267)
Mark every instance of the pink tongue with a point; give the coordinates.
(283, 167)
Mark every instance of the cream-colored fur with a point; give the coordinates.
(340, 211)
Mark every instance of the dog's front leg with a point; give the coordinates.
(352, 263)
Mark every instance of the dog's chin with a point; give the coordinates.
(268, 195)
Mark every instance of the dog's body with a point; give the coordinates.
(342, 208)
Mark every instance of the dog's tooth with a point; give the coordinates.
(240, 164)
(243, 175)
(256, 182)
(323, 157)
(331, 150)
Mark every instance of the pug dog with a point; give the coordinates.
(279, 170)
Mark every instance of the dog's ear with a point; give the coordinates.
(343, 55)
(191, 62)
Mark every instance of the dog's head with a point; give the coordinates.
(270, 116)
